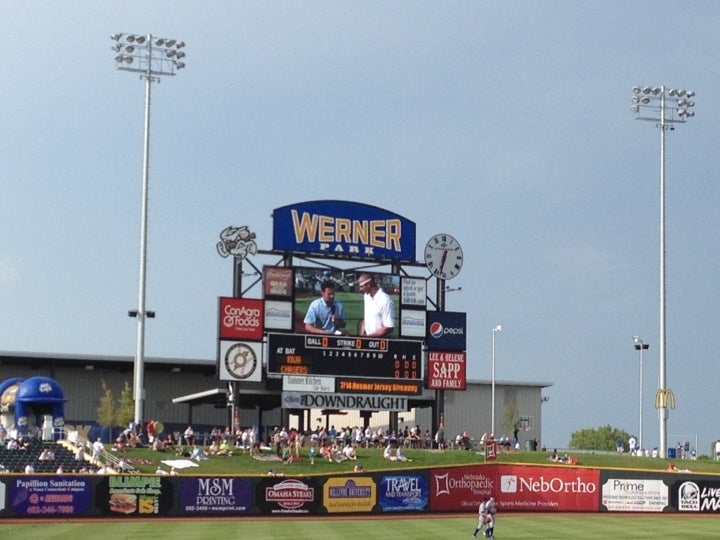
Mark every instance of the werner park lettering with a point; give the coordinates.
(344, 229)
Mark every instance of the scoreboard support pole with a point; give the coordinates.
(438, 417)
(234, 397)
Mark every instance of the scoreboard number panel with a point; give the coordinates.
(306, 354)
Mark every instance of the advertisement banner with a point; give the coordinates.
(356, 494)
(541, 489)
(446, 331)
(277, 282)
(209, 495)
(343, 228)
(696, 496)
(288, 496)
(278, 315)
(446, 370)
(299, 400)
(134, 496)
(240, 318)
(34, 496)
(413, 292)
(461, 489)
(413, 323)
(308, 383)
(407, 493)
(635, 495)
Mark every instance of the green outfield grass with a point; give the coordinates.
(543, 526)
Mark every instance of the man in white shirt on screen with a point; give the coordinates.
(379, 318)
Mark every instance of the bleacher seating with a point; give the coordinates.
(14, 461)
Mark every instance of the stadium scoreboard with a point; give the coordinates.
(351, 356)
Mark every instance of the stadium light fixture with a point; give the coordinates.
(141, 54)
(666, 107)
(495, 330)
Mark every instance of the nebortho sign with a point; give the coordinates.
(343, 228)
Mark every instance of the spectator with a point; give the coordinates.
(349, 452)
(224, 449)
(189, 436)
(60, 469)
(29, 469)
(440, 437)
(97, 449)
(46, 455)
(400, 455)
(169, 442)
(387, 453)
(632, 445)
(150, 430)
(79, 453)
(119, 445)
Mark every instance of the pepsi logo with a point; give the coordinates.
(436, 330)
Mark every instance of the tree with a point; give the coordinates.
(511, 417)
(126, 406)
(106, 411)
(602, 438)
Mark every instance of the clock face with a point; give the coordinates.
(443, 256)
(240, 361)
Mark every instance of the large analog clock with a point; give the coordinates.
(240, 361)
(443, 256)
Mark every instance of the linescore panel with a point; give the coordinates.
(305, 354)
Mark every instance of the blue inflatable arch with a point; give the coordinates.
(38, 396)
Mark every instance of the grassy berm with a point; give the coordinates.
(239, 463)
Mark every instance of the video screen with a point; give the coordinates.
(308, 287)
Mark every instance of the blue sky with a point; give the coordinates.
(506, 124)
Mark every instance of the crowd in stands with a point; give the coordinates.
(330, 444)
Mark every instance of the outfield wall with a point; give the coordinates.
(517, 488)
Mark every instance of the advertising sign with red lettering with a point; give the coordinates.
(241, 318)
(277, 282)
(515, 487)
(461, 489)
(446, 370)
(542, 489)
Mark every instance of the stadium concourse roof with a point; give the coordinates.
(248, 397)
(89, 361)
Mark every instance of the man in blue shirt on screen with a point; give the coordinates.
(325, 315)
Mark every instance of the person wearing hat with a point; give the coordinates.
(486, 517)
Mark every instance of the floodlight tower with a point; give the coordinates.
(151, 57)
(495, 330)
(666, 107)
